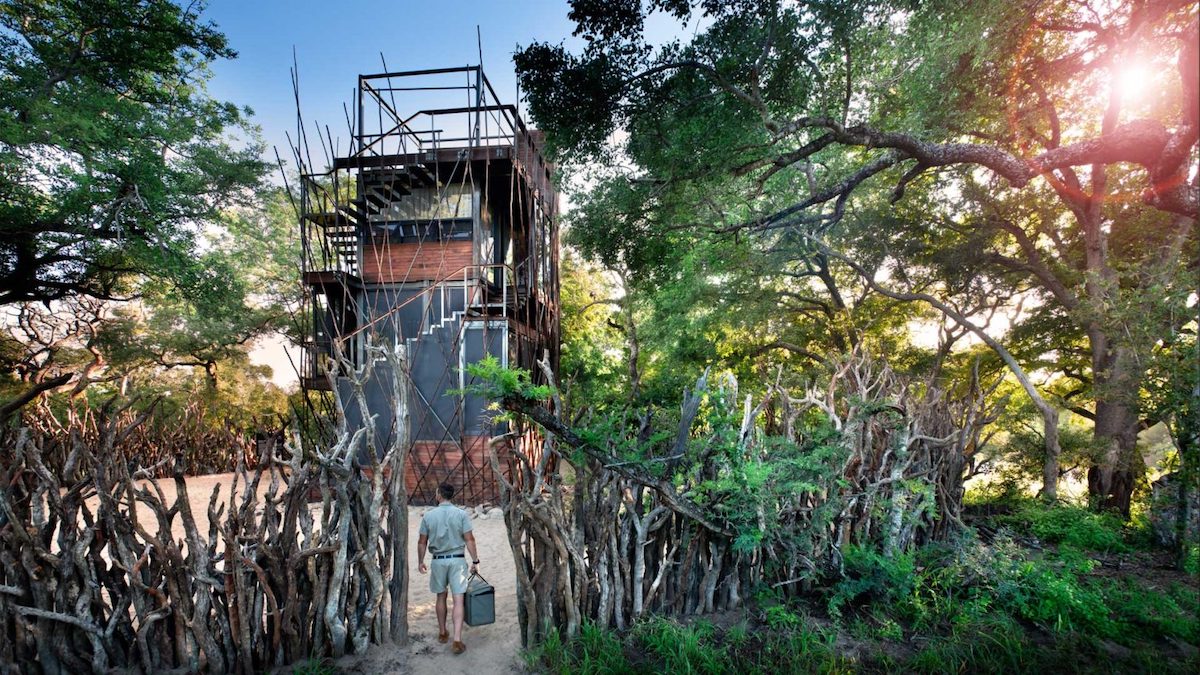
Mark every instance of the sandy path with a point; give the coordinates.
(494, 648)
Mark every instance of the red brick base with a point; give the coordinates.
(466, 467)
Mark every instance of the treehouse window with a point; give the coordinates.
(428, 214)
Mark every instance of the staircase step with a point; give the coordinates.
(421, 175)
(328, 219)
(376, 200)
(354, 209)
(390, 186)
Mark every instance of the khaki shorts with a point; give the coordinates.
(450, 572)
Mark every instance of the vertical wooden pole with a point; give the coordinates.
(398, 500)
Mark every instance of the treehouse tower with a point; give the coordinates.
(438, 232)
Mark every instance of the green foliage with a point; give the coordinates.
(967, 588)
(659, 645)
(968, 608)
(990, 644)
(590, 368)
(1020, 456)
(1070, 525)
(781, 617)
(243, 397)
(553, 72)
(998, 645)
(683, 648)
(730, 129)
(749, 483)
(1055, 595)
(243, 288)
(1173, 611)
(594, 652)
(112, 155)
(872, 575)
(173, 329)
(497, 383)
(1191, 560)
(996, 496)
(732, 480)
(123, 179)
(957, 588)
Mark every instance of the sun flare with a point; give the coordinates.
(1133, 81)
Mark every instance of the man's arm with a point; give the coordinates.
(469, 538)
(422, 542)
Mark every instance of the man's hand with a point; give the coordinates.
(474, 568)
(422, 567)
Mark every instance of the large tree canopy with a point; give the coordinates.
(932, 86)
(112, 155)
(249, 292)
(121, 178)
(971, 156)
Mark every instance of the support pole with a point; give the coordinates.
(398, 498)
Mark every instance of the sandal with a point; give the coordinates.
(444, 637)
(458, 648)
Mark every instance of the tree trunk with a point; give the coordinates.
(1187, 440)
(1118, 464)
(1050, 465)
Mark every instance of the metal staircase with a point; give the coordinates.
(339, 234)
(338, 225)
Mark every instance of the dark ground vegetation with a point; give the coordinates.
(1027, 588)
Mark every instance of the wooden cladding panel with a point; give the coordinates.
(389, 262)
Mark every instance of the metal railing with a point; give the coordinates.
(440, 285)
(484, 121)
(480, 293)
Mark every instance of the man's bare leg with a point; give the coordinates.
(459, 608)
(441, 613)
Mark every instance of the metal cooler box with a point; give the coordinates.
(480, 607)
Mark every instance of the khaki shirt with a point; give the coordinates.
(445, 527)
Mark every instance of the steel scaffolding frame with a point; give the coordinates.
(483, 149)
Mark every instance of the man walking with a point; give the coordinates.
(446, 532)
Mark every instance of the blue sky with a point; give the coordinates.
(335, 42)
